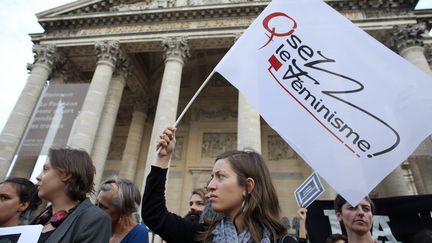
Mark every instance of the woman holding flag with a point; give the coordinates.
(240, 191)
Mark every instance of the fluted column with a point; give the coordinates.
(109, 116)
(248, 126)
(408, 40)
(133, 143)
(176, 51)
(16, 125)
(85, 132)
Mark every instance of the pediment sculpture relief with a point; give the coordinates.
(155, 4)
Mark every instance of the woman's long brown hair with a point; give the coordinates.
(261, 208)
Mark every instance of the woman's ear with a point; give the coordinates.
(23, 207)
(339, 216)
(250, 185)
(65, 177)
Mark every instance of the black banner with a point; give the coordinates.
(56, 112)
(396, 219)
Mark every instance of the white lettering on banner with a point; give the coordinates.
(382, 229)
(380, 226)
(352, 108)
(334, 222)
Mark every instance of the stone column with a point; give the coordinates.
(133, 143)
(248, 126)
(248, 122)
(109, 116)
(176, 51)
(88, 122)
(415, 55)
(428, 53)
(395, 184)
(408, 41)
(421, 168)
(15, 127)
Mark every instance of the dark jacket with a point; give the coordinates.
(171, 227)
(87, 223)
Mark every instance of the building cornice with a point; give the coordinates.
(153, 15)
(100, 13)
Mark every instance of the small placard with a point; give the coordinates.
(309, 190)
(20, 234)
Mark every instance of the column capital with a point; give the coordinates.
(45, 55)
(123, 66)
(30, 67)
(404, 36)
(107, 52)
(175, 47)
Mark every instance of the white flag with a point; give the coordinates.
(353, 109)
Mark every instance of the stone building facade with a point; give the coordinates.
(145, 59)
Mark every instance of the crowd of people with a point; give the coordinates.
(239, 203)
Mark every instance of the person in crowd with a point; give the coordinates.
(196, 204)
(120, 198)
(240, 192)
(17, 196)
(336, 238)
(356, 219)
(302, 214)
(65, 181)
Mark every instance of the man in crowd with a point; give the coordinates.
(196, 204)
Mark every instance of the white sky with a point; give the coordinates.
(424, 4)
(17, 20)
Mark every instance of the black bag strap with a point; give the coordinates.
(281, 240)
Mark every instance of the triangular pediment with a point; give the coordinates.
(86, 7)
(114, 12)
(100, 12)
(89, 7)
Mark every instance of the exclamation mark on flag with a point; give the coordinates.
(275, 63)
